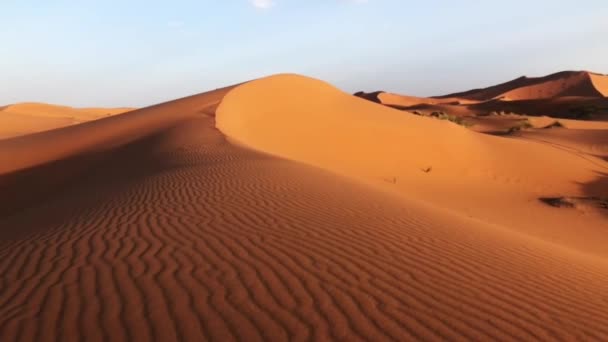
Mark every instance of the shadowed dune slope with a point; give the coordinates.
(566, 83)
(41, 148)
(178, 234)
(33, 166)
(437, 161)
(25, 118)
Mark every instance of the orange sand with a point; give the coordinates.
(25, 118)
(566, 83)
(568, 94)
(155, 225)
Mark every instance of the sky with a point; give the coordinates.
(141, 52)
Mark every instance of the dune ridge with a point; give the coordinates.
(565, 83)
(45, 147)
(179, 234)
(45, 109)
(26, 118)
(568, 94)
(43, 162)
(420, 157)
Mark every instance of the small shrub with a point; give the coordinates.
(558, 202)
(522, 125)
(455, 119)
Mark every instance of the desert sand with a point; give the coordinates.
(567, 94)
(286, 209)
(25, 118)
(565, 83)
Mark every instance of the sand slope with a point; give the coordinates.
(24, 118)
(568, 94)
(43, 162)
(175, 233)
(437, 161)
(565, 83)
(600, 83)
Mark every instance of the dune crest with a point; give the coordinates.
(577, 95)
(436, 161)
(45, 109)
(565, 83)
(26, 118)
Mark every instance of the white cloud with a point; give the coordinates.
(262, 4)
(266, 4)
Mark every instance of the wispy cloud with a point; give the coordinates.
(262, 4)
(266, 4)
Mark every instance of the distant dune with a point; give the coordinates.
(24, 118)
(286, 209)
(566, 83)
(568, 94)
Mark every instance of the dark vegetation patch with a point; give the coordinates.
(572, 202)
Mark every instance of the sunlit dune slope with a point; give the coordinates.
(494, 179)
(49, 110)
(600, 82)
(176, 234)
(25, 118)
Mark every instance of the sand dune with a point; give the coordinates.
(568, 94)
(600, 83)
(468, 172)
(168, 230)
(405, 101)
(43, 162)
(566, 83)
(572, 124)
(590, 142)
(25, 118)
(49, 110)
(397, 100)
(583, 108)
(575, 84)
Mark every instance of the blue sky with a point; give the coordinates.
(141, 52)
